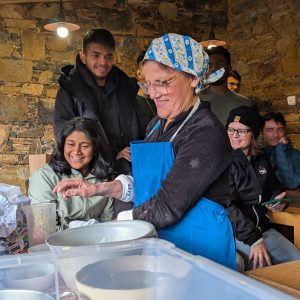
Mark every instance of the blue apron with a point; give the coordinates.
(205, 229)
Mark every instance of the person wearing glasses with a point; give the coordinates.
(222, 99)
(284, 158)
(181, 169)
(234, 81)
(253, 182)
(95, 88)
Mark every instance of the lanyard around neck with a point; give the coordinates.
(187, 118)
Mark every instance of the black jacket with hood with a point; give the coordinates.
(112, 106)
(251, 183)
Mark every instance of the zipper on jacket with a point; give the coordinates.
(254, 176)
(259, 199)
(119, 121)
(85, 207)
(257, 217)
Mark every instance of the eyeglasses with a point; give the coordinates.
(240, 132)
(159, 86)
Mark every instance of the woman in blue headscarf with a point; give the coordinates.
(181, 169)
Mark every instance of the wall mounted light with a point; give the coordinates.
(212, 41)
(60, 25)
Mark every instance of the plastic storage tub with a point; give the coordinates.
(155, 269)
(29, 276)
(66, 244)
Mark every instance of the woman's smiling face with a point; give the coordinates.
(78, 151)
(240, 141)
(175, 92)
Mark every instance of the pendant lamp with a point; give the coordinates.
(212, 42)
(60, 25)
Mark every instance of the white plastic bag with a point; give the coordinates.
(10, 198)
(13, 194)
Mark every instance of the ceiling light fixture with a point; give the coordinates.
(212, 42)
(60, 25)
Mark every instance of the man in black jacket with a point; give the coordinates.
(94, 88)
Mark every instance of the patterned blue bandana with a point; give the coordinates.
(183, 53)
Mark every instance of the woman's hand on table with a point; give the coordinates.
(259, 255)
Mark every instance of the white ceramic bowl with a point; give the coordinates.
(136, 277)
(68, 245)
(37, 277)
(102, 233)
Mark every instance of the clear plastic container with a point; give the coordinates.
(67, 243)
(155, 269)
(33, 275)
(41, 221)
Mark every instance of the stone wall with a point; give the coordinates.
(263, 37)
(264, 40)
(30, 60)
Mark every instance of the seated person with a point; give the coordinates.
(234, 81)
(284, 158)
(81, 152)
(252, 181)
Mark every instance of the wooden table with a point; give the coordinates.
(290, 216)
(285, 277)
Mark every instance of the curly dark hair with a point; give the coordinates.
(101, 165)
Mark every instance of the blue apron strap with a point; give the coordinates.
(156, 126)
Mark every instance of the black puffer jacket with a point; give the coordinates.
(251, 183)
(114, 106)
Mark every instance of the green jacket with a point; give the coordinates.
(45, 179)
